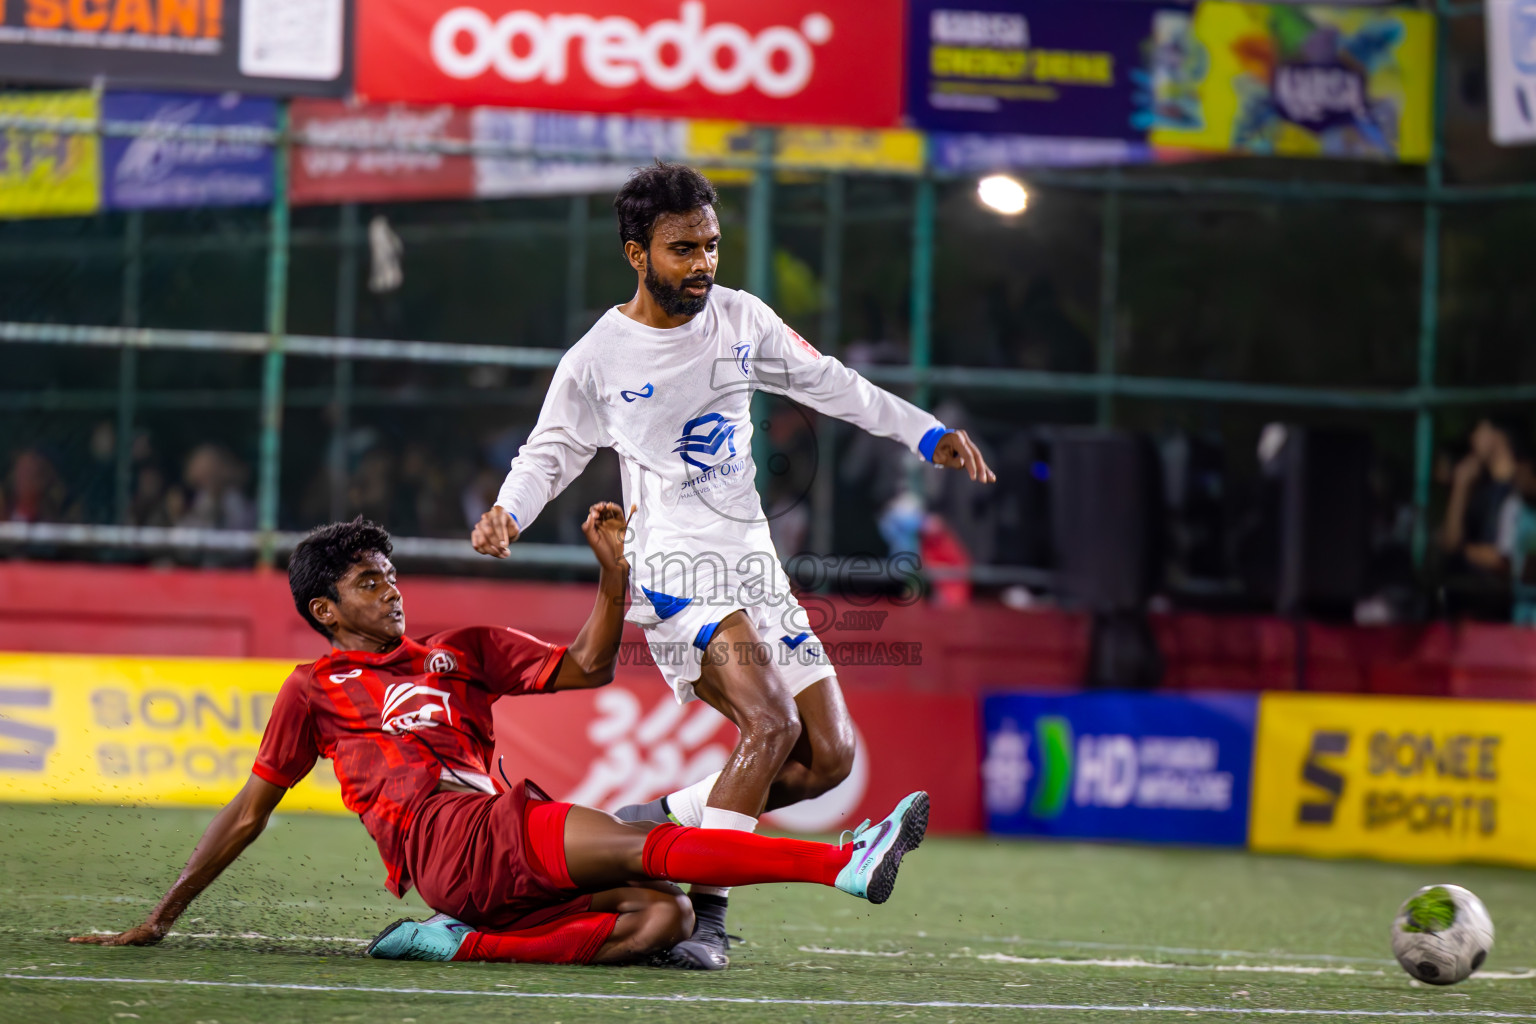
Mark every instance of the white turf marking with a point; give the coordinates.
(1025, 940)
(763, 1001)
(1136, 963)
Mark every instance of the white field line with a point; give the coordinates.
(606, 997)
(1136, 963)
(1025, 940)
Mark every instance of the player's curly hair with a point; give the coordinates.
(324, 556)
(659, 189)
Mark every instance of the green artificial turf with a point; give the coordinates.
(1013, 925)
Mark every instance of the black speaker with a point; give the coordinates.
(1108, 518)
(1325, 520)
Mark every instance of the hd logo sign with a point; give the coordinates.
(1396, 778)
(1116, 766)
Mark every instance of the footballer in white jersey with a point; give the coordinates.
(666, 380)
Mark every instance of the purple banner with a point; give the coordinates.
(1064, 68)
(144, 171)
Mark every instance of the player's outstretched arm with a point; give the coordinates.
(231, 831)
(593, 655)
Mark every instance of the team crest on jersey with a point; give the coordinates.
(440, 661)
(704, 435)
(398, 717)
(743, 357)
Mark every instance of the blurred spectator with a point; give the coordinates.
(371, 493)
(479, 494)
(32, 492)
(215, 479)
(1517, 538)
(426, 499)
(96, 500)
(1480, 484)
(155, 500)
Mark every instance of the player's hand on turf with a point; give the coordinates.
(494, 533)
(956, 450)
(605, 530)
(140, 935)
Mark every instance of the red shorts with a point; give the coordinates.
(495, 862)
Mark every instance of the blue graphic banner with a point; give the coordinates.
(1119, 766)
(145, 172)
(1064, 68)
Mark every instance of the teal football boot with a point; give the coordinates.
(877, 851)
(436, 938)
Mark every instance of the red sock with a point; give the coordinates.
(711, 856)
(565, 940)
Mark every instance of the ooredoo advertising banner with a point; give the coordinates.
(147, 171)
(45, 174)
(771, 61)
(282, 47)
(333, 164)
(1396, 778)
(1119, 766)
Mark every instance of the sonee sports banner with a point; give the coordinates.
(770, 62)
(1396, 778)
(1119, 766)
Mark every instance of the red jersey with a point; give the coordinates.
(395, 724)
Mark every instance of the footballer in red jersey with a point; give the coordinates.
(512, 874)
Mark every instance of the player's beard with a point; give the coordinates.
(673, 301)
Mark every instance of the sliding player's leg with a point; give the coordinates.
(624, 920)
(602, 852)
(615, 926)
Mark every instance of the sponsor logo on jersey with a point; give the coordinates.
(397, 718)
(706, 435)
(440, 661)
(340, 677)
(805, 346)
(645, 392)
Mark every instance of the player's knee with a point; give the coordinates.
(664, 923)
(834, 761)
(775, 729)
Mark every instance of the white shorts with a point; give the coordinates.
(790, 649)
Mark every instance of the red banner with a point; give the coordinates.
(773, 61)
(631, 742)
(345, 173)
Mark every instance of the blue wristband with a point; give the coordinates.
(930, 441)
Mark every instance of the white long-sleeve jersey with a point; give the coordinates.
(675, 404)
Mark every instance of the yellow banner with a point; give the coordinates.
(183, 731)
(1295, 80)
(894, 151)
(1395, 778)
(49, 173)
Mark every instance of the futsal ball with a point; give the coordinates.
(1442, 934)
